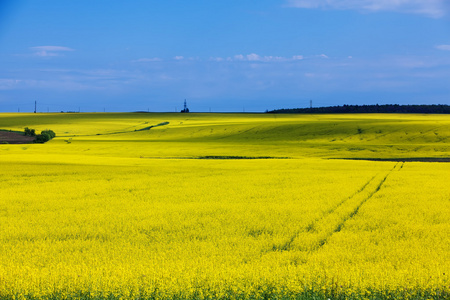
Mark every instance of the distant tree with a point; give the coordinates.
(45, 136)
(29, 132)
(387, 108)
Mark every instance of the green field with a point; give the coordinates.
(193, 135)
(226, 206)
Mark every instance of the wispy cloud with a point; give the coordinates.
(256, 57)
(443, 47)
(8, 83)
(244, 76)
(147, 59)
(253, 57)
(218, 59)
(48, 51)
(431, 8)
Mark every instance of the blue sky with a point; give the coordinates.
(222, 55)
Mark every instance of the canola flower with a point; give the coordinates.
(99, 223)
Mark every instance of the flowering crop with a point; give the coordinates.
(134, 215)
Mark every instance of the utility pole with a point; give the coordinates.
(35, 105)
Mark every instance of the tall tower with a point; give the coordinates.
(185, 109)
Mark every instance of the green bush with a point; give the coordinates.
(41, 138)
(51, 133)
(45, 136)
(30, 132)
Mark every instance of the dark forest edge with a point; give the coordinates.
(357, 109)
(409, 159)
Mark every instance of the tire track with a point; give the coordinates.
(355, 211)
(311, 227)
(318, 232)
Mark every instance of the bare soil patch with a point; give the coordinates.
(15, 138)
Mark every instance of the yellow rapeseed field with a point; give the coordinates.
(226, 206)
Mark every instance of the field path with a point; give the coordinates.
(317, 233)
(126, 130)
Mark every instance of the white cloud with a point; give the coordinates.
(147, 59)
(253, 57)
(318, 75)
(216, 59)
(179, 57)
(443, 47)
(274, 58)
(431, 8)
(8, 84)
(52, 48)
(48, 51)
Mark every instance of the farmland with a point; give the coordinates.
(226, 206)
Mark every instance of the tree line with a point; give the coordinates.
(356, 109)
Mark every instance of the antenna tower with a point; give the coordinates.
(185, 109)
